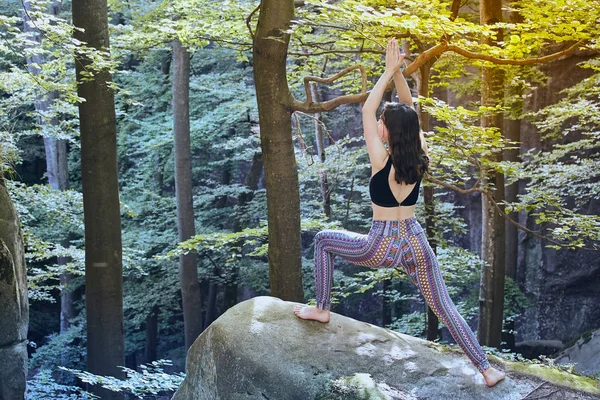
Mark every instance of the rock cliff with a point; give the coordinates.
(14, 309)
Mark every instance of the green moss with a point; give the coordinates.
(356, 387)
(553, 375)
(586, 336)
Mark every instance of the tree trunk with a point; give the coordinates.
(14, 304)
(251, 182)
(512, 128)
(513, 133)
(320, 147)
(491, 295)
(56, 152)
(386, 318)
(281, 175)
(101, 209)
(423, 89)
(188, 270)
(158, 173)
(211, 305)
(151, 336)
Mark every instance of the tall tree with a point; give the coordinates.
(281, 176)
(55, 149)
(428, 197)
(188, 269)
(101, 208)
(512, 131)
(320, 148)
(275, 101)
(491, 296)
(251, 183)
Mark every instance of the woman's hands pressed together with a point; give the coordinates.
(393, 57)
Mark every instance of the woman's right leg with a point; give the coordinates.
(420, 260)
(351, 246)
(378, 248)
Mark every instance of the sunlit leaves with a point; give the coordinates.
(462, 145)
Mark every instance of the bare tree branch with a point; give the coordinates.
(319, 53)
(454, 9)
(477, 189)
(424, 57)
(249, 18)
(309, 79)
(504, 61)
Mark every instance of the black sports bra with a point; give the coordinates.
(381, 194)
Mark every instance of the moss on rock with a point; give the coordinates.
(554, 375)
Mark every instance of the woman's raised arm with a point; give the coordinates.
(393, 60)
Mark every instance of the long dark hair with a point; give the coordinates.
(408, 157)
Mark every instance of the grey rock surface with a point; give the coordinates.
(14, 306)
(260, 350)
(585, 354)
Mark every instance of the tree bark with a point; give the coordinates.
(320, 148)
(512, 128)
(513, 133)
(56, 151)
(188, 270)
(211, 305)
(491, 295)
(423, 89)
(101, 209)
(151, 336)
(251, 182)
(281, 175)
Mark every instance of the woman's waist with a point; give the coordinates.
(398, 227)
(393, 213)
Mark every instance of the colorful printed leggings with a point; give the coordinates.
(390, 244)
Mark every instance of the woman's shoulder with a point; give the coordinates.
(380, 162)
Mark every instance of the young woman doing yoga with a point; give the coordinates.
(395, 238)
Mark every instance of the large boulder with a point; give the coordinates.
(585, 353)
(14, 307)
(260, 350)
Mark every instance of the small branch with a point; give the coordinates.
(302, 142)
(454, 9)
(319, 53)
(324, 129)
(218, 40)
(435, 51)
(504, 61)
(474, 189)
(249, 18)
(536, 388)
(330, 80)
(316, 44)
(498, 209)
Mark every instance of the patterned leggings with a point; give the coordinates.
(390, 244)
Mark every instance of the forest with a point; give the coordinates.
(164, 161)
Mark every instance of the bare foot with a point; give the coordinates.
(493, 376)
(311, 313)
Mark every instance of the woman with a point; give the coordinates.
(396, 238)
